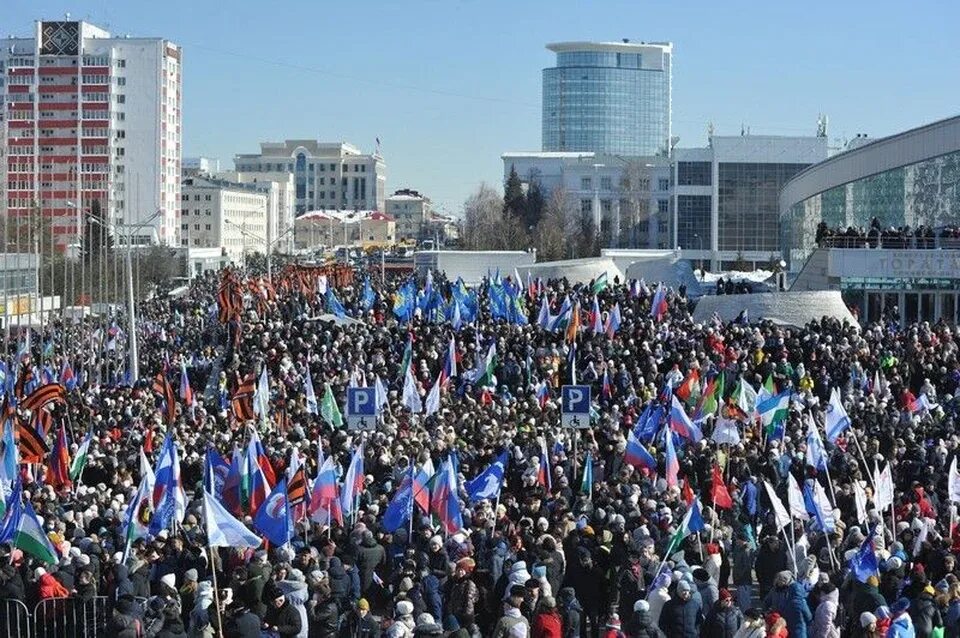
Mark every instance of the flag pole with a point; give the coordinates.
(216, 590)
(792, 546)
(856, 441)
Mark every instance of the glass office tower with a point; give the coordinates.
(610, 98)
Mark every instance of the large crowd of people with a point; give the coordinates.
(735, 480)
(894, 237)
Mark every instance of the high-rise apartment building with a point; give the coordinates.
(326, 175)
(611, 98)
(91, 122)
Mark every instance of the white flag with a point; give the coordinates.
(411, 397)
(433, 399)
(953, 482)
(725, 431)
(795, 497)
(312, 406)
(884, 482)
(779, 511)
(860, 498)
(381, 393)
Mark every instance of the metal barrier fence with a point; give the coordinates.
(14, 618)
(56, 618)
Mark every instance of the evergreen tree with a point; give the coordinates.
(533, 208)
(514, 201)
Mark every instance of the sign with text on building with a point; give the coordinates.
(894, 264)
(575, 406)
(361, 408)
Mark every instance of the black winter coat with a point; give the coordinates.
(681, 619)
(285, 618)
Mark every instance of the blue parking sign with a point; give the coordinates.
(361, 408)
(575, 406)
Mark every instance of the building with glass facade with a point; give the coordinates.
(725, 196)
(612, 98)
(908, 179)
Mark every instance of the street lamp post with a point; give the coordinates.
(131, 305)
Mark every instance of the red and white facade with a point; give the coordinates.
(88, 117)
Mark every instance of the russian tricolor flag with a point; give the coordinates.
(450, 365)
(658, 307)
(681, 423)
(637, 455)
(673, 464)
(606, 390)
(543, 472)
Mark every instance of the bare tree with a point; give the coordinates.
(555, 227)
(486, 227)
(635, 200)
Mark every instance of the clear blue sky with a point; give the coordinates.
(448, 86)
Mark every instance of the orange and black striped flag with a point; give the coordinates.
(25, 377)
(45, 395)
(242, 400)
(162, 387)
(42, 420)
(297, 487)
(32, 447)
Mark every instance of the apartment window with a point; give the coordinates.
(663, 206)
(208, 198)
(184, 226)
(586, 183)
(663, 184)
(196, 198)
(606, 183)
(333, 167)
(323, 194)
(586, 206)
(196, 226)
(208, 226)
(363, 169)
(323, 167)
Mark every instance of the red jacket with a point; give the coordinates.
(547, 624)
(50, 587)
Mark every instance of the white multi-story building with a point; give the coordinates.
(219, 213)
(278, 187)
(628, 198)
(411, 210)
(92, 122)
(326, 175)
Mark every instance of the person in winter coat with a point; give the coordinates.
(789, 599)
(199, 623)
(512, 624)
(866, 598)
(824, 619)
(296, 592)
(241, 622)
(359, 623)
(125, 621)
(281, 618)
(682, 615)
(640, 625)
(753, 625)
(709, 592)
(431, 595)
(403, 622)
(48, 586)
(172, 623)
(339, 583)
(571, 613)
(323, 614)
(370, 556)
(464, 594)
(777, 626)
(924, 613)
(724, 618)
(771, 559)
(658, 597)
(123, 586)
(547, 622)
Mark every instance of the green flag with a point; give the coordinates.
(329, 410)
(600, 283)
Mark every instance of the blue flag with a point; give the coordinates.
(864, 562)
(400, 508)
(215, 470)
(487, 484)
(273, 516)
(369, 297)
(333, 304)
